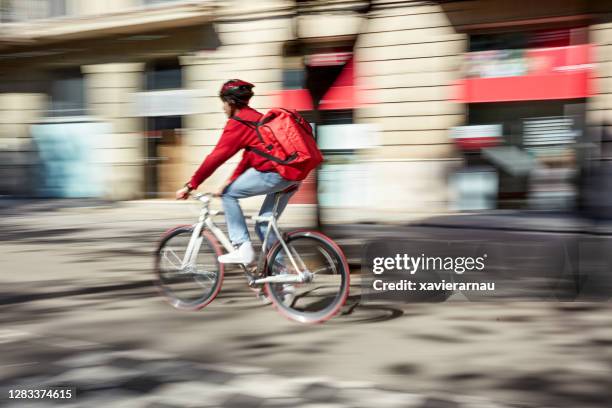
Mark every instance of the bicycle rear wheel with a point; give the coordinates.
(322, 297)
(194, 286)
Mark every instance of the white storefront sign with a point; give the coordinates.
(172, 102)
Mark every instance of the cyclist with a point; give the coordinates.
(254, 175)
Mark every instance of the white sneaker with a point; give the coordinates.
(261, 295)
(288, 294)
(245, 254)
(288, 290)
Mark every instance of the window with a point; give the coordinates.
(164, 74)
(12, 11)
(67, 93)
(293, 78)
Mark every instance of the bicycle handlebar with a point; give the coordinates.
(204, 197)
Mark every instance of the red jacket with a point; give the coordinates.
(236, 136)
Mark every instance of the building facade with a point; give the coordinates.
(412, 101)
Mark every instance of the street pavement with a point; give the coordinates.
(79, 309)
(106, 377)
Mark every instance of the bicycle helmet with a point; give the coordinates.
(236, 92)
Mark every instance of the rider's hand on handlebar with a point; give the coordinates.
(182, 194)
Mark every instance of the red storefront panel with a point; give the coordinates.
(298, 99)
(307, 194)
(553, 73)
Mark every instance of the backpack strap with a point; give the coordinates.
(255, 126)
(251, 123)
(270, 157)
(248, 123)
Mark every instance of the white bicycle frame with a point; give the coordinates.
(205, 221)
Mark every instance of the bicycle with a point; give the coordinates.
(304, 273)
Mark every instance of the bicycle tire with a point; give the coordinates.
(340, 265)
(166, 292)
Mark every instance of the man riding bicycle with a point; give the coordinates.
(254, 175)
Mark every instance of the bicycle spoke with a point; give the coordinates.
(329, 279)
(205, 278)
(325, 268)
(211, 276)
(208, 274)
(328, 258)
(298, 258)
(165, 255)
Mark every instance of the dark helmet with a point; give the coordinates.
(236, 92)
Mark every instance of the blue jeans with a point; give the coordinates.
(248, 184)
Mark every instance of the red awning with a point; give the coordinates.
(341, 95)
(298, 99)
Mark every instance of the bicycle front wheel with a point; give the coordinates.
(192, 286)
(325, 291)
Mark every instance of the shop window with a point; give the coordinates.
(536, 160)
(516, 117)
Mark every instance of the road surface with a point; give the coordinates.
(78, 309)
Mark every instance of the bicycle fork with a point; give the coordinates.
(195, 242)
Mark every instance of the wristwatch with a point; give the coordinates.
(189, 186)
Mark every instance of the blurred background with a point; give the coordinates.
(421, 107)
(479, 126)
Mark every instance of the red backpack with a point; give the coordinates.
(287, 140)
